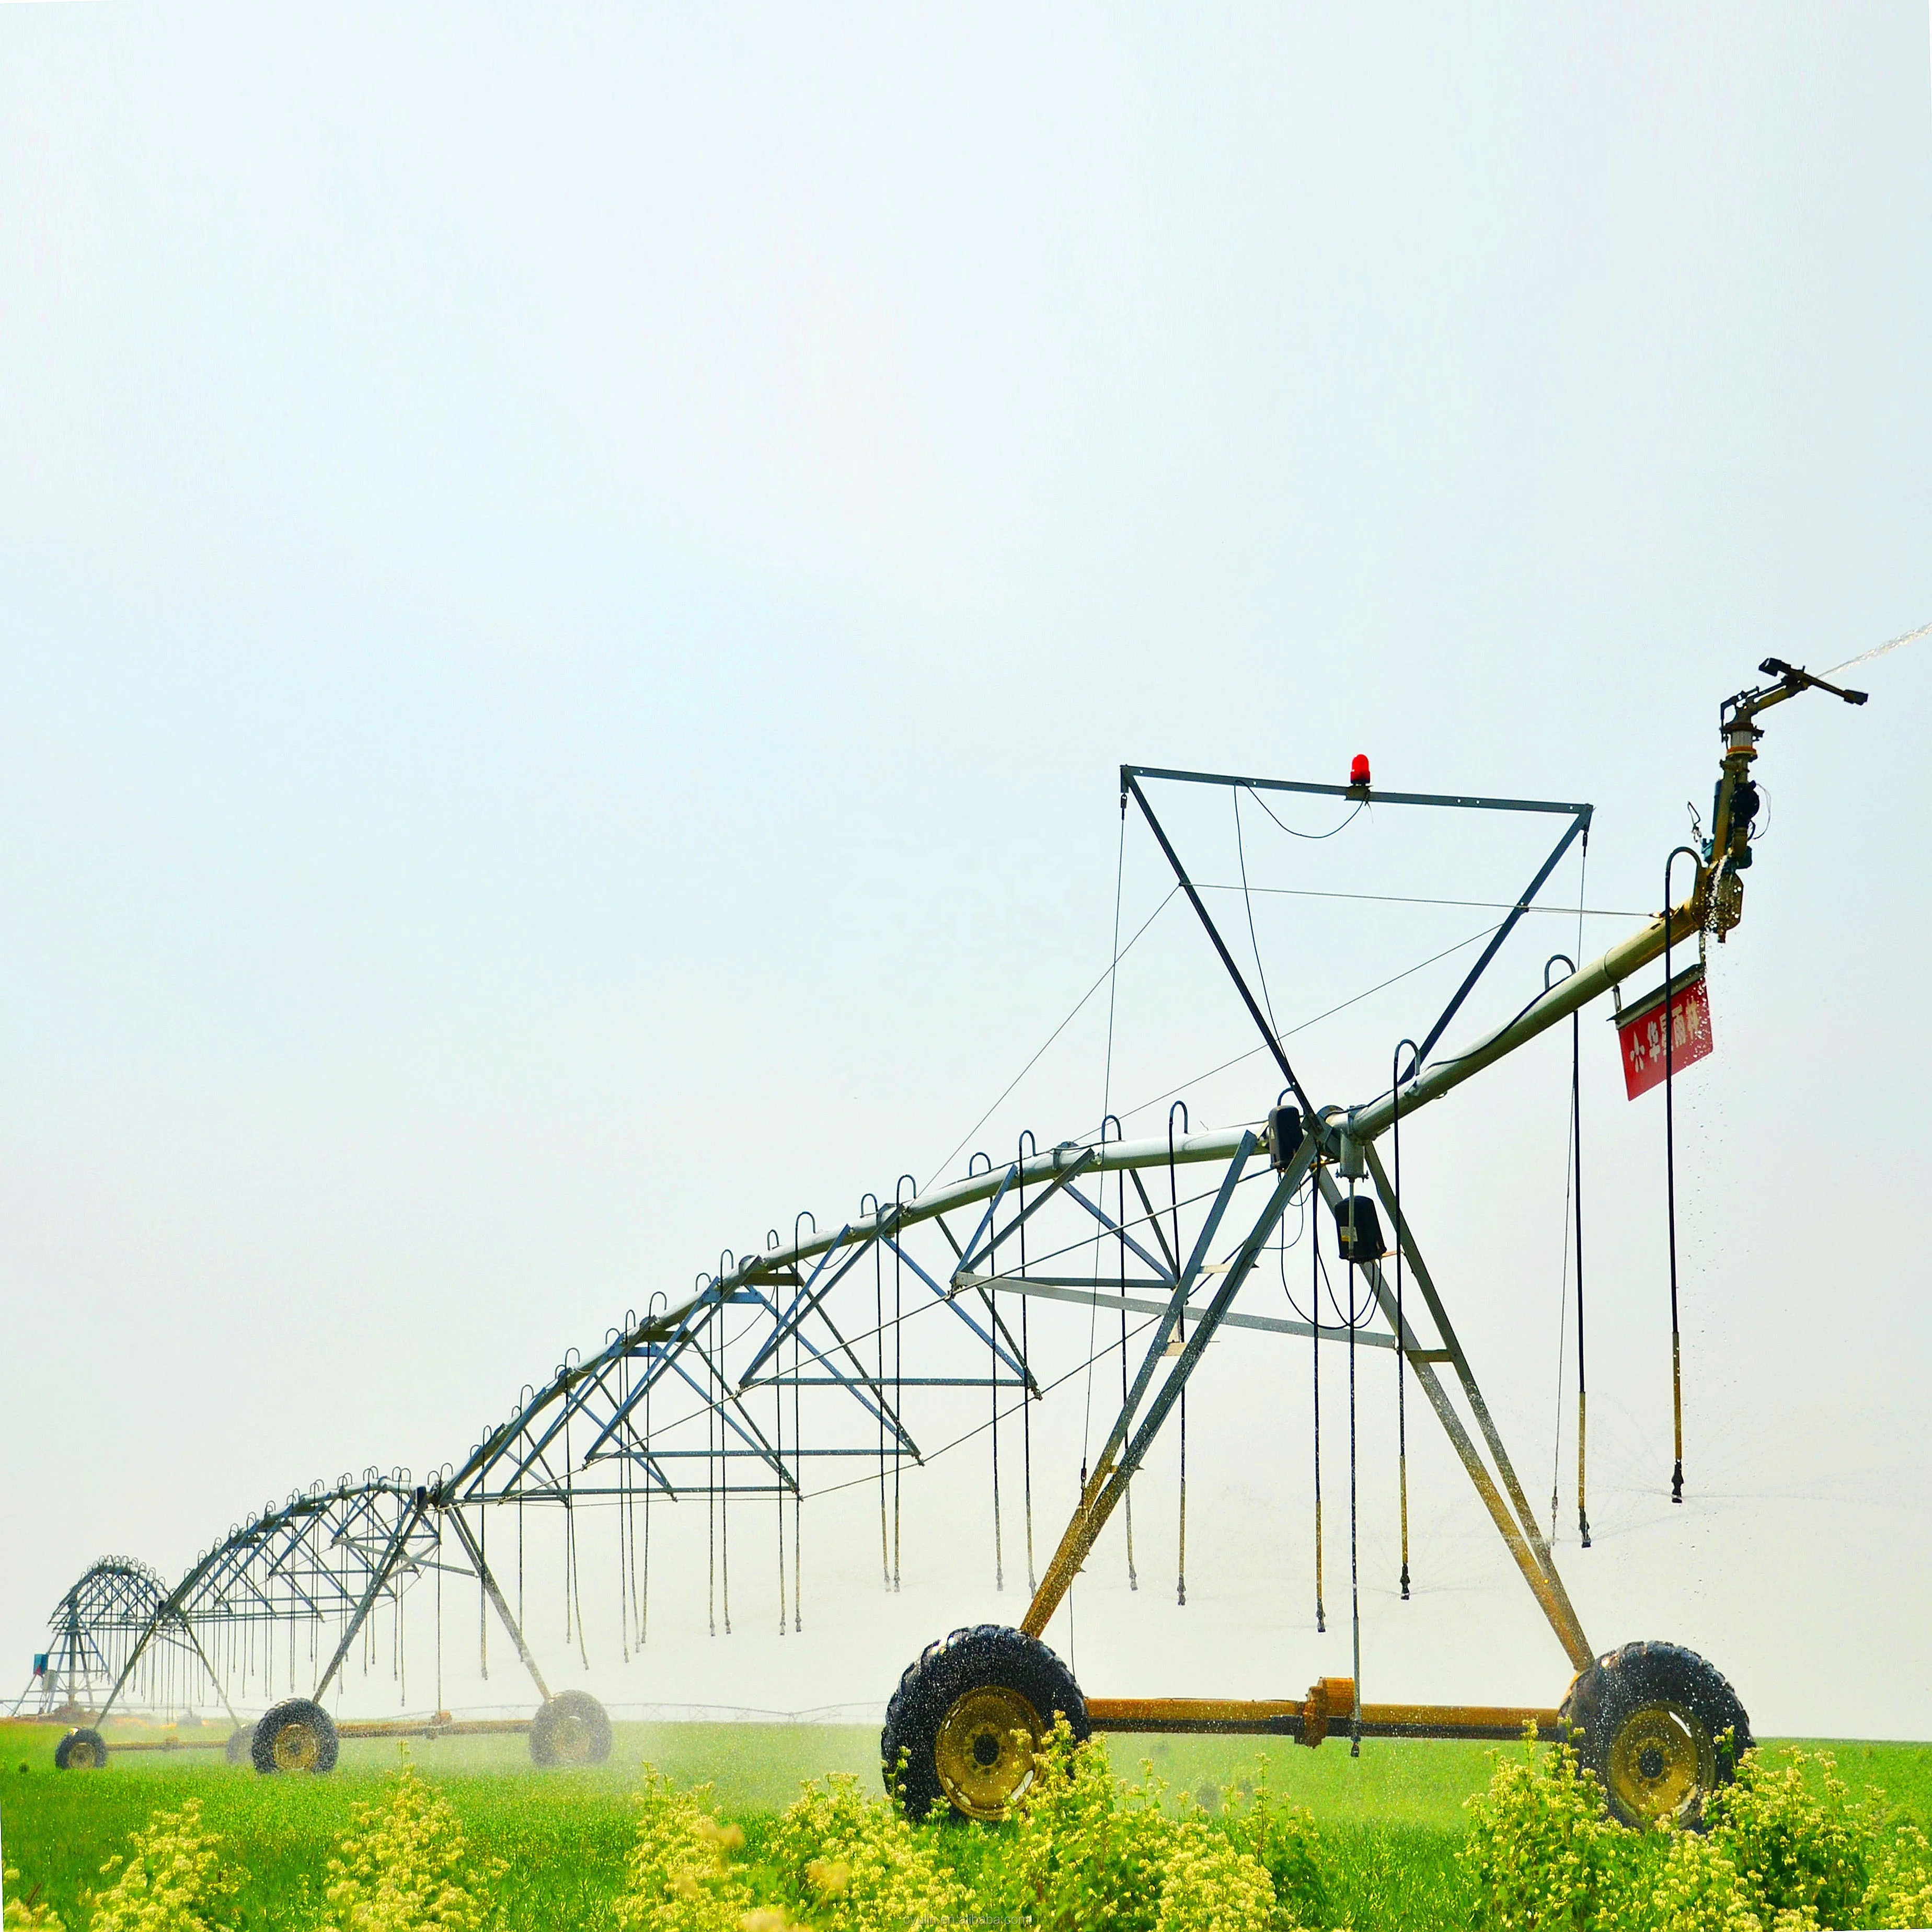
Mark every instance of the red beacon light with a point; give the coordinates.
(1358, 770)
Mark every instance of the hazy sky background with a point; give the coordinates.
(573, 582)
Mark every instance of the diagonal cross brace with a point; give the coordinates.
(1524, 1542)
(1579, 824)
(391, 1557)
(1108, 1483)
(1176, 1306)
(952, 1302)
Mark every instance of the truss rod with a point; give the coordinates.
(1086, 1297)
(1109, 1484)
(1628, 956)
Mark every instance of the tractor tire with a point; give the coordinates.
(298, 1735)
(82, 1750)
(573, 1728)
(240, 1746)
(1660, 1729)
(968, 1716)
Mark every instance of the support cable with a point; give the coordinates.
(1247, 901)
(1353, 1000)
(1120, 953)
(1106, 1103)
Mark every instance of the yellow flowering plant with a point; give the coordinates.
(405, 1865)
(679, 1876)
(852, 1863)
(171, 1879)
(30, 1914)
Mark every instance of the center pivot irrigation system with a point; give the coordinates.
(806, 1366)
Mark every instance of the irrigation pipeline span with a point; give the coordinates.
(939, 1319)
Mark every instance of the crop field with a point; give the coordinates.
(1390, 1824)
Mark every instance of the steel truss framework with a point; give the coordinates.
(96, 1625)
(857, 1352)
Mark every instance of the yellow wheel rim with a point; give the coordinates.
(82, 1755)
(1660, 1762)
(296, 1747)
(570, 1740)
(984, 1751)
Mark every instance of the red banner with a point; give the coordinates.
(1640, 1033)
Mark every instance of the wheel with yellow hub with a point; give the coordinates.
(572, 1729)
(82, 1750)
(984, 1752)
(968, 1716)
(297, 1735)
(1661, 1729)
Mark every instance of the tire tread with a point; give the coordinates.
(975, 1654)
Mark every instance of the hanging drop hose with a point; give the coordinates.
(1121, 1224)
(898, 1368)
(1401, 1323)
(1670, 1177)
(879, 1377)
(710, 1514)
(724, 1460)
(1121, 1219)
(1180, 1334)
(993, 1385)
(797, 1450)
(1354, 1569)
(626, 1528)
(1315, 1358)
(993, 1379)
(644, 1597)
(1026, 1359)
(1576, 1158)
(1573, 1200)
(778, 1436)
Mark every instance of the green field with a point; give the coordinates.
(1392, 1819)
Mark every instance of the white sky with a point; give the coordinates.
(575, 581)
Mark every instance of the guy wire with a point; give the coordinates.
(1106, 1103)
